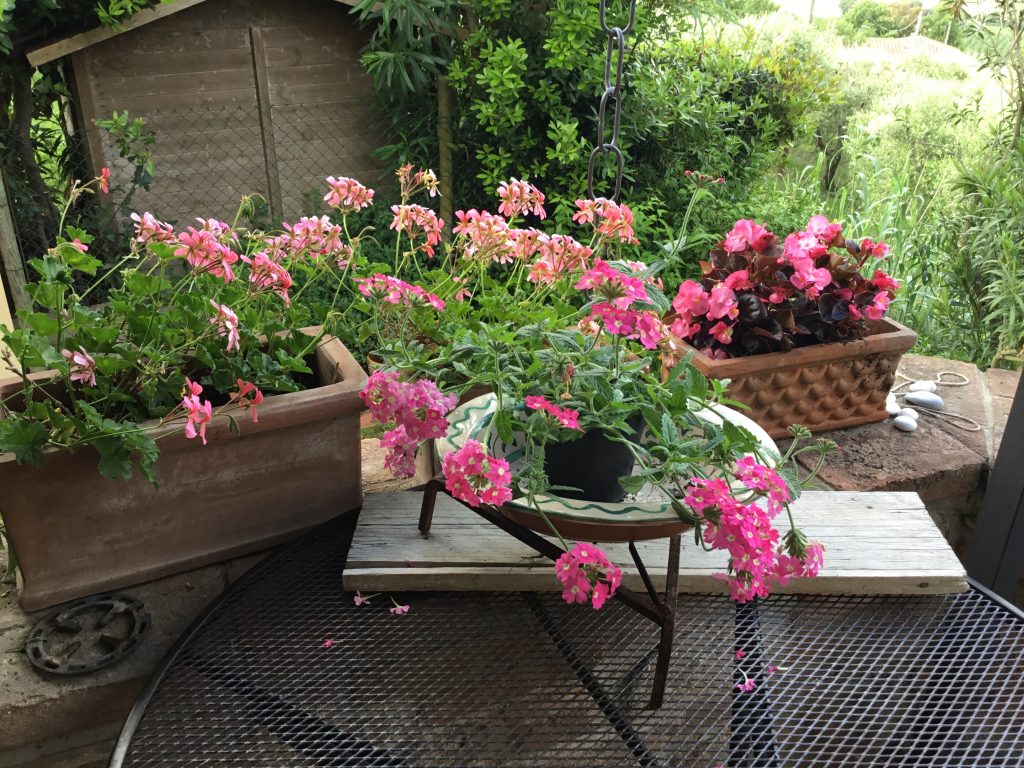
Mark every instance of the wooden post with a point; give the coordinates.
(444, 148)
(259, 64)
(10, 256)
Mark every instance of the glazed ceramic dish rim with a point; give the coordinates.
(468, 420)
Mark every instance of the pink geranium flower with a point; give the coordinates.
(394, 291)
(248, 397)
(148, 229)
(227, 324)
(83, 366)
(347, 194)
(520, 197)
(611, 220)
(199, 414)
(416, 221)
(267, 275)
(205, 253)
(104, 179)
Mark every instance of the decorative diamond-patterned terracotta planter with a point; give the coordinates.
(824, 387)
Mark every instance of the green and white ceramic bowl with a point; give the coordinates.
(644, 515)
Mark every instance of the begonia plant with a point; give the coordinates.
(758, 293)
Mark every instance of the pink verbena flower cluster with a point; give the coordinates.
(567, 417)
(611, 220)
(347, 194)
(394, 291)
(587, 573)
(472, 476)
(619, 294)
(416, 408)
(415, 221)
(745, 530)
(759, 294)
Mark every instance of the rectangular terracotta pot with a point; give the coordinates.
(828, 386)
(76, 533)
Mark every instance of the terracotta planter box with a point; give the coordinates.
(824, 387)
(76, 533)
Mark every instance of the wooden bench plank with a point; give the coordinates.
(876, 543)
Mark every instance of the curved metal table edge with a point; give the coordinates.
(138, 710)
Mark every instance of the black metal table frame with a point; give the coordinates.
(660, 610)
(752, 727)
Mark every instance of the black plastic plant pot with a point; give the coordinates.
(593, 464)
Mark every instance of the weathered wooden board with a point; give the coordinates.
(876, 543)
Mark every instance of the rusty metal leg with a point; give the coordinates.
(668, 623)
(427, 507)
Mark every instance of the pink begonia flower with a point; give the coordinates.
(347, 194)
(876, 310)
(746, 234)
(199, 414)
(104, 179)
(610, 219)
(883, 282)
(722, 333)
(83, 366)
(586, 570)
(683, 329)
(472, 476)
(691, 301)
(812, 280)
(268, 275)
(399, 610)
(854, 311)
(394, 291)
(416, 220)
(227, 324)
(877, 250)
(520, 197)
(777, 296)
(567, 417)
(722, 303)
(148, 229)
(823, 229)
(738, 281)
(327, 644)
(248, 397)
(747, 685)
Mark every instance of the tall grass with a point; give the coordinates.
(959, 257)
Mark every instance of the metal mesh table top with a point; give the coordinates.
(498, 679)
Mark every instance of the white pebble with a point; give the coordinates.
(891, 397)
(922, 386)
(910, 413)
(905, 423)
(892, 408)
(925, 400)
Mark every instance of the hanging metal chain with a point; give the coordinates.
(613, 62)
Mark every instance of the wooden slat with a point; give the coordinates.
(259, 65)
(876, 543)
(10, 259)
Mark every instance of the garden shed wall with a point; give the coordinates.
(244, 96)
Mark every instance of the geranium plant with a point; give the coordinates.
(759, 294)
(196, 322)
(590, 360)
